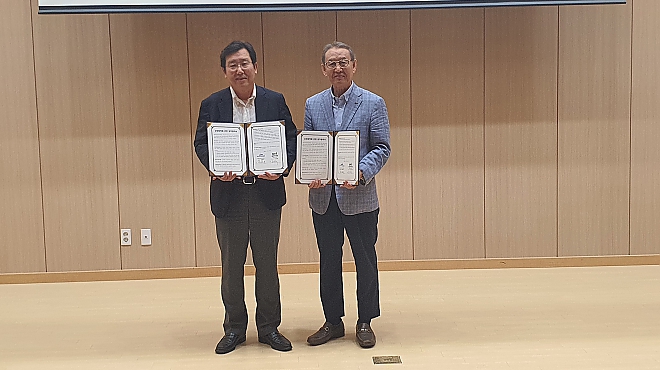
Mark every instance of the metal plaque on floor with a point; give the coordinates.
(386, 360)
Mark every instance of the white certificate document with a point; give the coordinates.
(226, 143)
(314, 157)
(331, 157)
(347, 153)
(267, 147)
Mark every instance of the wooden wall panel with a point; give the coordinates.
(293, 43)
(464, 159)
(521, 131)
(381, 42)
(594, 129)
(208, 34)
(447, 133)
(77, 139)
(21, 226)
(154, 151)
(645, 130)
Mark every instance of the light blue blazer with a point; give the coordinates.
(366, 112)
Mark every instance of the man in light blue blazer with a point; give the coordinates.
(354, 208)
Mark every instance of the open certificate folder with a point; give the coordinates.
(247, 148)
(330, 156)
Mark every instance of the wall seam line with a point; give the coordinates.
(557, 132)
(192, 153)
(630, 123)
(36, 106)
(114, 123)
(483, 131)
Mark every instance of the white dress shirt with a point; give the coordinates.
(244, 112)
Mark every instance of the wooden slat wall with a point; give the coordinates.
(154, 142)
(77, 141)
(516, 132)
(292, 66)
(521, 132)
(381, 41)
(447, 134)
(22, 247)
(594, 130)
(645, 130)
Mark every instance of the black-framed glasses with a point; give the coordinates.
(332, 64)
(234, 66)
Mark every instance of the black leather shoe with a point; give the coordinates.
(276, 340)
(365, 336)
(229, 342)
(325, 333)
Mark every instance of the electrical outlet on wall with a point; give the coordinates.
(125, 237)
(145, 238)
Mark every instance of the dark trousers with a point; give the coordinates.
(249, 220)
(362, 232)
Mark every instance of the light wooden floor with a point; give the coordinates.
(559, 318)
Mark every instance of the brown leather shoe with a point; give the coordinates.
(365, 336)
(325, 333)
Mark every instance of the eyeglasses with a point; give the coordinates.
(332, 64)
(234, 66)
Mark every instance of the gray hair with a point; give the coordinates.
(338, 45)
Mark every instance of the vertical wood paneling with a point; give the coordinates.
(208, 34)
(147, 171)
(22, 247)
(293, 43)
(447, 133)
(381, 42)
(521, 132)
(154, 150)
(77, 140)
(594, 129)
(645, 130)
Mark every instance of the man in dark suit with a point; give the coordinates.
(247, 209)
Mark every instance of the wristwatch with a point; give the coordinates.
(361, 180)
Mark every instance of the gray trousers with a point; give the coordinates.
(248, 220)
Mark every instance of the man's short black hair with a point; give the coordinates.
(233, 48)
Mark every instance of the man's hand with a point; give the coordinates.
(269, 176)
(348, 185)
(316, 184)
(228, 176)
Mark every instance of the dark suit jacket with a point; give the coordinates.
(269, 106)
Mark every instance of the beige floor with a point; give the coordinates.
(560, 318)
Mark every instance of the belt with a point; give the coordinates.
(249, 180)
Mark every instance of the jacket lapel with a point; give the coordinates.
(327, 110)
(261, 104)
(351, 107)
(225, 107)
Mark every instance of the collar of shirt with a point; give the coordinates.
(343, 99)
(239, 102)
(244, 112)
